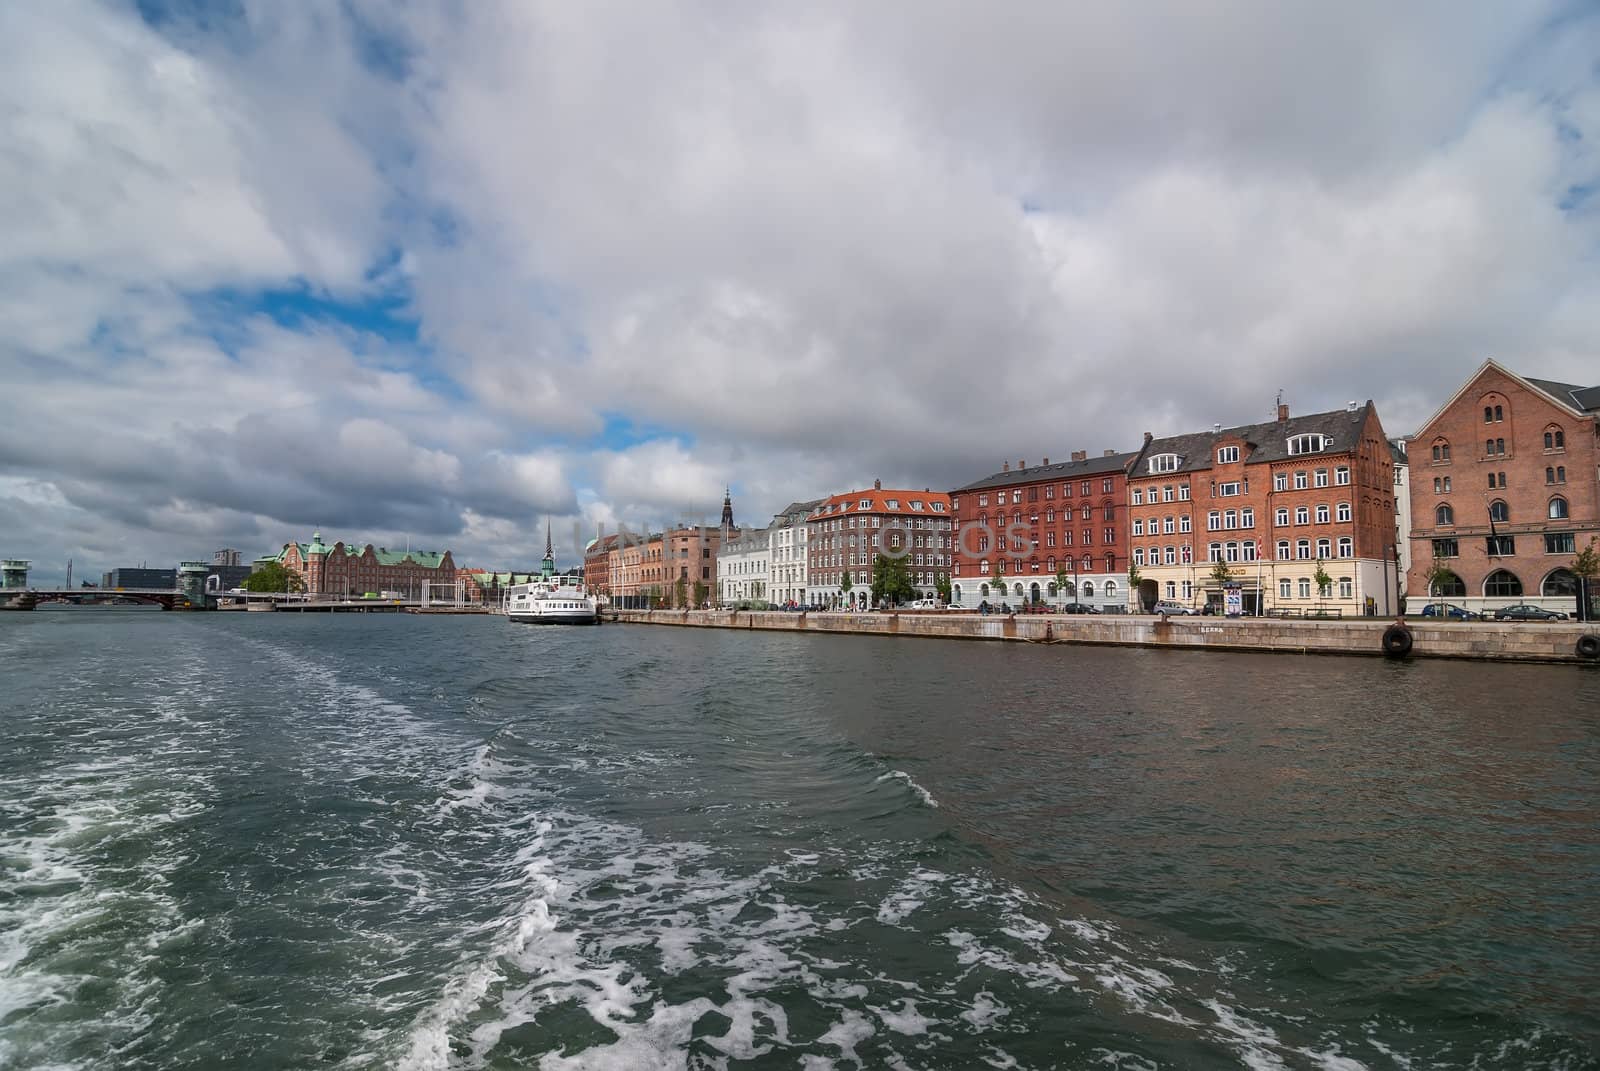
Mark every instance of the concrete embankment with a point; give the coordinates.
(1486, 641)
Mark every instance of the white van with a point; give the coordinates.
(927, 604)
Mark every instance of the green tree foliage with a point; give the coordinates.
(680, 592)
(999, 580)
(273, 577)
(1063, 579)
(1439, 576)
(1586, 567)
(845, 584)
(891, 581)
(700, 592)
(1323, 581)
(1221, 571)
(941, 587)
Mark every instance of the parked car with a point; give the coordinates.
(927, 604)
(1527, 612)
(1174, 609)
(1078, 608)
(1449, 611)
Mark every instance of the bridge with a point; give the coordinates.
(28, 598)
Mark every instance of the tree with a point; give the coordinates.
(700, 592)
(845, 584)
(680, 592)
(941, 587)
(1439, 576)
(999, 577)
(273, 577)
(1221, 572)
(1062, 580)
(1133, 583)
(1323, 581)
(1586, 566)
(891, 580)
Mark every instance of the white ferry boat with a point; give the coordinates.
(550, 599)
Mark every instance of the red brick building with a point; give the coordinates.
(348, 571)
(1017, 530)
(1505, 490)
(844, 533)
(1275, 503)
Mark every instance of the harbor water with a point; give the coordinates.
(282, 841)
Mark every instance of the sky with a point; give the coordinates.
(434, 272)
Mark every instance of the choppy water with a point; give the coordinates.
(350, 842)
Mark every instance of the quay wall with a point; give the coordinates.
(1484, 641)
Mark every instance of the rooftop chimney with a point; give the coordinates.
(1021, 465)
(877, 485)
(1283, 413)
(1147, 438)
(1046, 461)
(1005, 466)
(1080, 455)
(1108, 453)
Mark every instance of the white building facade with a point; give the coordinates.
(788, 567)
(742, 567)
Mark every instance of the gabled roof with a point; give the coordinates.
(1066, 470)
(1267, 441)
(1580, 401)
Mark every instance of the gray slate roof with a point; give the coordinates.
(1268, 441)
(1066, 470)
(1586, 399)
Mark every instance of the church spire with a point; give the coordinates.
(727, 509)
(547, 568)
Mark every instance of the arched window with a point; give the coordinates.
(1452, 586)
(1558, 509)
(1050, 589)
(1441, 450)
(1017, 590)
(1499, 511)
(1347, 547)
(1088, 589)
(983, 590)
(1111, 589)
(1559, 582)
(1088, 563)
(1444, 514)
(1138, 555)
(1111, 563)
(1555, 438)
(955, 593)
(1502, 584)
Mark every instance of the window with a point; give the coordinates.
(1280, 481)
(1302, 549)
(1164, 463)
(1138, 496)
(1172, 590)
(1227, 455)
(1502, 584)
(1499, 511)
(1559, 582)
(1500, 546)
(1283, 550)
(1285, 588)
(1558, 509)
(1441, 451)
(1213, 520)
(1105, 486)
(1302, 515)
(1343, 512)
(1214, 552)
(1346, 588)
(1016, 496)
(1324, 547)
(1049, 539)
(1446, 548)
(1109, 535)
(1183, 492)
(1169, 555)
(1138, 555)
(1555, 438)
(1305, 588)
(1307, 444)
(1247, 518)
(1559, 543)
(1341, 476)
(1322, 513)
(1321, 478)
(1230, 551)
(1444, 514)
(1300, 481)
(1496, 479)
(1138, 526)
(1555, 474)
(1166, 493)
(1183, 523)
(1281, 517)
(1168, 526)
(1186, 553)
(1228, 490)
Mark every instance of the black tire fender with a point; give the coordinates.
(1589, 646)
(1396, 641)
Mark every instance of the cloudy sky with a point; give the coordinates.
(438, 270)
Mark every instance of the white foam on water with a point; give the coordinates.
(907, 1019)
(923, 794)
(986, 1011)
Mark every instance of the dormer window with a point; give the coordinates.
(916, 504)
(1307, 444)
(865, 503)
(893, 503)
(1227, 455)
(1164, 463)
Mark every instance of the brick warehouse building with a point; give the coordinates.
(1064, 517)
(1274, 501)
(845, 532)
(345, 570)
(1505, 490)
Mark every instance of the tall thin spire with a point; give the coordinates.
(547, 568)
(727, 509)
(548, 552)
